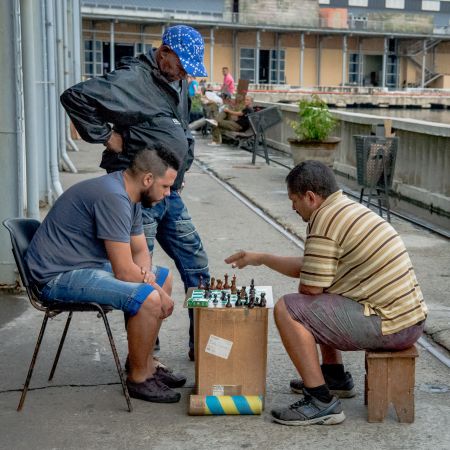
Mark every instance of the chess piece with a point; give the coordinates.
(243, 293)
(257, 301)
(251, 303)
(215, 299)
(238, 302)
(228, 305)
(246, 299)
(226, 285)
(263, 301)
(252, 285)
(219, 286)
(222, 296)
(212, 283)
(200, 283)
(233, 285)
(207, 294)
(207, 286)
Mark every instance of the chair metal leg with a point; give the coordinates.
(266, 152)
(61, 343)
(33, 362)
(116, 359)
(255, 147)
(361, 195)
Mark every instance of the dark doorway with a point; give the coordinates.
(120, 50)
(264, 66)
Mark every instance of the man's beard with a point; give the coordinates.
(146, 201)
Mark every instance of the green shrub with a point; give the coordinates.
(315, 121)
(196, 105)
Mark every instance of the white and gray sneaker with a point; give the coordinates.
(212, 122)
(310, 411)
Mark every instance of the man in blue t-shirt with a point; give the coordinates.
(91, 246)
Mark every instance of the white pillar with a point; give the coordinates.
(302, 57)
(258, 46)
(112, 62)
(385, 52)
(344, 59)
(424, 62)
(211, 54)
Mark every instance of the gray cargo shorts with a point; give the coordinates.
(340, 323)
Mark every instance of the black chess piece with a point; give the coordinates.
(257, 301)
(252, 285)
(238, 302)
(263, 301)
(215, 299)
(251, 303)
(222, 296)
(207, 294)
(228, 305)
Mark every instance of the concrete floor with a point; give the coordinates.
(84, 407)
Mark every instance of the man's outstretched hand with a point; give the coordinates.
(243, 258)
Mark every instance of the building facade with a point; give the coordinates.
(384, 43)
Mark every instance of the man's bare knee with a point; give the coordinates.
(280, 309)
(151, 305)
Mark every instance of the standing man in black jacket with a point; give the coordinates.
(146, 101)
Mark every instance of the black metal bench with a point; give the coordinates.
(260, 121)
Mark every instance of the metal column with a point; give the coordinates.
(385, 52)
(258, 46)
(344, 60)
(360, 63)
(11, 156)
(112, 62)
(30, 102)
(424, 62)
(278, 58)
(318, 57)
(302, 58)
(211, 54)
(76, 25)
(235, 55)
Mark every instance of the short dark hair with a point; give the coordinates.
(312, 176)
(156, 159)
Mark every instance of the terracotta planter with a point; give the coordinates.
(322, 151)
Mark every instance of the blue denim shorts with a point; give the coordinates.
(100, 286)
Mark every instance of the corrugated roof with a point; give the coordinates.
(207, 6)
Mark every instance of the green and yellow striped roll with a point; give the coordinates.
(225, 404)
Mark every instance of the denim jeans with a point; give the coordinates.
(170, 223)
(100, 286)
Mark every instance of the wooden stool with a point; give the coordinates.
(390, 378)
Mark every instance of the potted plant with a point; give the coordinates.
(312, 129)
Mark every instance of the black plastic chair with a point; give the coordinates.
(22, 232)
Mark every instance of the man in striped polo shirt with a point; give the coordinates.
(357, 291)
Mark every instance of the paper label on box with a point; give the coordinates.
(218, 346)
(226, 389)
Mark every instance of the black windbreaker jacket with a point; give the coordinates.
(140, 104)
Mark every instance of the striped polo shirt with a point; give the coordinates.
(353, 252)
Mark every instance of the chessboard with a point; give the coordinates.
(219, 298)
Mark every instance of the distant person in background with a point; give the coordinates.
(227, 90)
(232, 120)
(193, 87)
